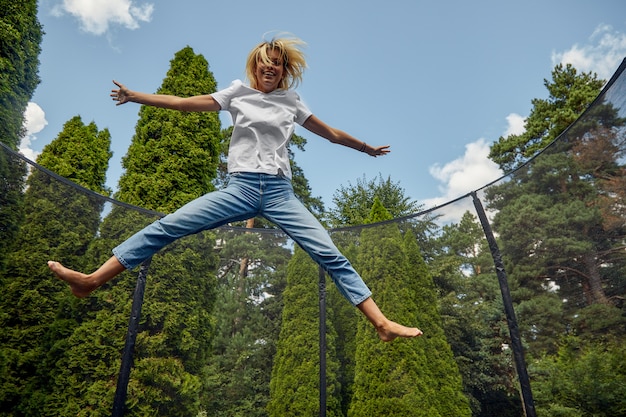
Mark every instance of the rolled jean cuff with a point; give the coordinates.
(365, 297)
(121, 259)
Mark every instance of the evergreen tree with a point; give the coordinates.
(352, 206)
(473, 318)
(20, 39)
(583, 379)
(171, 160)
(556, 217)
(295, 375)
(38, 312)
(353, 203)
(247, 322)
(406, 377)
(12, 175)
(570, 94)
(174, 155)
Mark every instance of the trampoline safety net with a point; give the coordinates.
(519, 288)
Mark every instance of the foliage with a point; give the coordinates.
(294, 387)
(570, 94)
(557, 216)
(171, 160)
(173, 156)
(247, 313)
(38, 313)
(20, 39)
(405, 377)
(468, 288)
(354, 202)
(583, 379)
(12, 177)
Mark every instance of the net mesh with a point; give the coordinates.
(559, 219)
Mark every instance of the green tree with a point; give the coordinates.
(473, 318)
(174, 155)
(353, 207)
(560, 220)
(20, 39)
(582, 380)
(353, 203)
(570, 94)
(405, 377)
(247, 313)
(295, 374)
(553, 216)
(171, 160)
(12, 175)
(20, 44)
(38, 312)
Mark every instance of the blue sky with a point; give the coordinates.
(438, 81)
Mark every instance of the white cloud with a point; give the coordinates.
(465, 174)
(515, 124)
(602, 55)
(34, 122)
(95, 16)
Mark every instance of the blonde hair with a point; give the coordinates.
(291, 54)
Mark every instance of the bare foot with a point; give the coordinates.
(391, 330)
(80, 283)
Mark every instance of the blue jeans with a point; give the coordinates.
(248, 195)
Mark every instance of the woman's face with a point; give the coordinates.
(268, 77)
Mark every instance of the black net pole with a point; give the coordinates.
(516, 341)
(322, 298)
(119, 402)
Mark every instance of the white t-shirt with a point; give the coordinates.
(262, 127)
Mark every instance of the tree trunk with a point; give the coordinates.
(243, 267)
(594, 280)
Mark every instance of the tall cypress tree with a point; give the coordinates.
(20, 39)
(406, 377)
(295, 375)
(38, 311)
(171, 160)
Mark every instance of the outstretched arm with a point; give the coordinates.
(315, 125)
(195, 103)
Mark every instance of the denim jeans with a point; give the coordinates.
(248, 195)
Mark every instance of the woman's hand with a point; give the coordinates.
(121, 94)
(377, 150)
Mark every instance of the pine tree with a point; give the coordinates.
(473, 318)
(38, 311)
(557, 216)
(247, 314)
